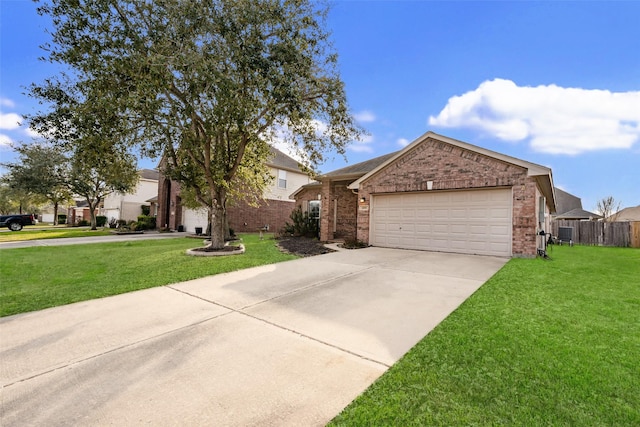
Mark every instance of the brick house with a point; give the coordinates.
(436, 194)
(274, 209)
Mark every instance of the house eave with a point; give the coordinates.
(344, 177)
(293, 195)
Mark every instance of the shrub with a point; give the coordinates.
(62, 219)
(146, 210)
(101, 221)
(303, 224)
(146, 222)
(354, 244)
(83, 223)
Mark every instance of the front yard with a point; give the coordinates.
(41, 277)
(541, 343)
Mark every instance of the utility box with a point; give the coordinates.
(565, 234)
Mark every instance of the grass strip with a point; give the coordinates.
(52, 233)
(41, 277)
(541, 343)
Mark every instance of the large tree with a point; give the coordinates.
(206, 83)
(42, 170)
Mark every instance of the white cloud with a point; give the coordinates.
(365, 117)
(32, 133)
(10, 121)
(5, 140)
(363, 145)
(6, 102)
(361, 148)
(554, 119)
(403, 142)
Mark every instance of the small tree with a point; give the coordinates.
(42, 171)
(607, 207)
(13, 200)
(94, 174)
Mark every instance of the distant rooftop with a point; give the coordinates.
(578, 213)
(282, 161)
(628, 214)
(149, 174)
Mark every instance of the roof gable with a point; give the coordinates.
(541, 173)
(566, 202)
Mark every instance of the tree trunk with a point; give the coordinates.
(92, 213)
(217, 228)
(217, 219)
(55, 213)
(227, 232)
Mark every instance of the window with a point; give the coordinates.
(314, 209)
(282, 179)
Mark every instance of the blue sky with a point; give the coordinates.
(555, 83)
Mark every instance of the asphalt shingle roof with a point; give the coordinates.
(282, 161)
(578, 213)
(362, 167)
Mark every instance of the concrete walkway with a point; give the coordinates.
(285, 344)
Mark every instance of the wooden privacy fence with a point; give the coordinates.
(623, 233)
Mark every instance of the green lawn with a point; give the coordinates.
(50, 233)
(541, 343)
(40, 277)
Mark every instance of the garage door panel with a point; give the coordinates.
(476, 221)
(458, 213)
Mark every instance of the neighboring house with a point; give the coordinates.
(578, 214)
(569, 207)
(274, 210)
(436, 194)
(128, 206)
(79, 212)
(627, 214)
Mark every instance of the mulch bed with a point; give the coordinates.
(302, 246)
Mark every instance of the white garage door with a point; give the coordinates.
(192, 218)
(470, 222)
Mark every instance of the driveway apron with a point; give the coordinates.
(283, 344)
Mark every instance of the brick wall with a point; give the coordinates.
(450, 167)
(345, 202)
(245, 218)
(168, 215)
(338, 209)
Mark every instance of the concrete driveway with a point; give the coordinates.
(285, 344)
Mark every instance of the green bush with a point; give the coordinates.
(101, 221)
(146, 210)
(146, 222)
(83, 223)
(62, 219)
(303, 224)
